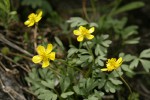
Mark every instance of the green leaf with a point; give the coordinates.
(97, 49)
(115, 81)
(109, 87)
(91, 98)
(129, 31)
(48, 83)
(106, 43)
(83, 51)
(101, 44)
(98, 94)
(47, 95)
(64, 83)
(115, 74)
(77, 21)
(145, 53)
(92, 24)
(134, 63)
(38, 91)
(42, 73)
(4, 6)
(132, 41)
(72, 51)
(66, 94)
(100, 60)
(146, 64)
(91, 84)
(59, 42)
(128, 57)
(126, 68)
(84, 58)
(77, 90)
(128, 7)
(7, 4)
(102, 81)
(85, 86)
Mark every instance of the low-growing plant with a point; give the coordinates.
(89, 70)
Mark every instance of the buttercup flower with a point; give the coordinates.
(112, 64)
(33, 18)
(82, 33)
(44, 55)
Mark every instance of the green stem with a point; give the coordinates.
(91, 53)
(35, 35)
(88, 72)
(124, 81)
(80, 45)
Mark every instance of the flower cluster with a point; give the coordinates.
(33, 18)
(44, 55)
(112, 64)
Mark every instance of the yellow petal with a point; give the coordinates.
(49, 48)
(27, 22)
(81, 28)
(45, 64)
(110, 68)
(91, 30)
(37, 59)
(37, 19)
(104, 69)
(76, 32)
(89, 37)
(31, 23)
(40, 50)
(39, 14)
(52, 56)
(120, 60)
(80, 38)
(32, 15)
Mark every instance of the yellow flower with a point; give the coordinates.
(82, 33)
(112, 64)
(33, 18)
(44, 55)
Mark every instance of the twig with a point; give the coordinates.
(17, 64)
(4, 40)
(84, 9)
(93, 7)
(26, 90)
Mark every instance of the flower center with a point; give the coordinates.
(45, 56)
(33, 17)
(84, 32)
(111, 62)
